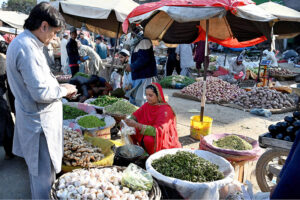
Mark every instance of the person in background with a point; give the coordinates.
(185, 54)
(142, 66)
(237, 70)
(154, 122)
(127, 79)
(72, 50)
(107, 46)
(116, 78)
(38, 136)
(101, 48)
(172, 62)
(83, 40)
(92, 59)
(90, 87)
(64, 54)
(270, 55)
(6, 121)
(199, 55)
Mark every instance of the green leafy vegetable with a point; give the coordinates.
(187, 166)
(70, 112)
(121, 107)
(91, 121)
(232, 142)
(105, 100)
(170, 81)
(82, 74)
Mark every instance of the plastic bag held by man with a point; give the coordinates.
(136, 178)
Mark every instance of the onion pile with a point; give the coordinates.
(264, 97)
(280, 72)
(217, 90)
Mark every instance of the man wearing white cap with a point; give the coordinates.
(127, 80)
(237, 70)
(271, 56)
(64, 54)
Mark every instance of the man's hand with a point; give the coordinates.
(71, 90)
(128, 68)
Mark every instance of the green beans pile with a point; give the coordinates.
(91, 122)
(105, 100)
(232, 142)
(70, 112)
(121, 107)
(187, 166)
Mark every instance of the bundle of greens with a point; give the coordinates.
(105, 100)
(70, 112)
(187, 166)
(233, 142)
(91, 121)
(121, 108)
(81, 74)
(170, 81)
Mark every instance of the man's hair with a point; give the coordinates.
(43, 12)
(3, 47)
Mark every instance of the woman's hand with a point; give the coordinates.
(131, 122)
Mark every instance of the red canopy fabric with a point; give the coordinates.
(229, 5)
(148, 7)
(230, 42)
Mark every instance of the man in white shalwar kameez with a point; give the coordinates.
(185, 53)
(64, 55)
(38, 136)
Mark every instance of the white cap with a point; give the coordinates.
(265, 51)
(125, 51)
(65, 34)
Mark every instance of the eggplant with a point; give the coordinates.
(296, 124)
(289, 119)
(273, 129)
(296, 114)
(284, 125)
(290, 130)
(287, 138)
(268, 135)
(279, 127)
(279, 136)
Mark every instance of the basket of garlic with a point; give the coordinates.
(99, 183)
(85, 151)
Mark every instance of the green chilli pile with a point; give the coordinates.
(105, 100)
(91, 121)
(187, 166)
(70, 112)
(233, 142)
(121, 108)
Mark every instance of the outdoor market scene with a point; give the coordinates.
(147, 99)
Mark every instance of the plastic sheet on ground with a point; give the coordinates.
(191, 190)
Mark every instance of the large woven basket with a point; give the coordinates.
(154, 194)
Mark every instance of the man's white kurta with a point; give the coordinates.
(37, 101)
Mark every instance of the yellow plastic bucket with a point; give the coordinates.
(200, 129)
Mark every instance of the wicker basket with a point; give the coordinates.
(154, 194)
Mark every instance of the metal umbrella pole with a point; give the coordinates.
(206, 60)
(113, 58)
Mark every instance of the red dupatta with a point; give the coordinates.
(162, 118)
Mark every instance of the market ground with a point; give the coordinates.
(14, 183)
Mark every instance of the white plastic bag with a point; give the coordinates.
(191, 190)
(126, 132)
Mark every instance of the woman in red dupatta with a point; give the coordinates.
(155, 122)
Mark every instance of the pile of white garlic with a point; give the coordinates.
(102, 184)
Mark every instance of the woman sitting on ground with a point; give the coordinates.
(155, 122)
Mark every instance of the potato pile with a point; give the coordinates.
(78, 152)
(280, 71)
(217, 90)
(264, 97)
